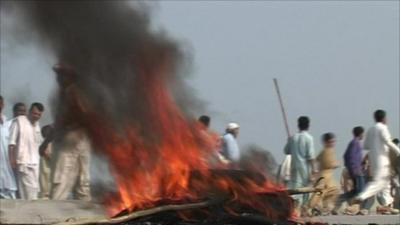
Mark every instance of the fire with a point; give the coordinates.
(118, 86)
(172, 162)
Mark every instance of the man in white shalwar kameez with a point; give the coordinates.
(25, 138)
(8, 186)
(379, 142)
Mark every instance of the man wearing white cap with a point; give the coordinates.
(230, 147)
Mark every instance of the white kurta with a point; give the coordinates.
(284, 170)
(8, 186)
(379, 142)
(27, 139)
(230, 148)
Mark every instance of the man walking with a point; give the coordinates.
(301, 147)
(379, 142)
(353, 162)
(25, 138)
(327, 164)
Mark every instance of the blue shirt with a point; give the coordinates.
(353, 158)
(301, 147)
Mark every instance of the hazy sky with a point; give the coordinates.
(336, 62)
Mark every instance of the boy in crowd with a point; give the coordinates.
(327, 164)
(353, 163)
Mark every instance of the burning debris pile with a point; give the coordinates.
(121, 82)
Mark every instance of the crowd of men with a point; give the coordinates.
(373, 173)
(30, 169)
(364, 178)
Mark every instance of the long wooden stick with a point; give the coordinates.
(282, 107)
(303, 190)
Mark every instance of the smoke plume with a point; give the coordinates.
(121, 83)
(255, 158)
(110, 60)
(107, 43)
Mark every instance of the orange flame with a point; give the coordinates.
(147, 172)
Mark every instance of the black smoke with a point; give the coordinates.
(102, 47)
(107, 43)
(255, 158)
